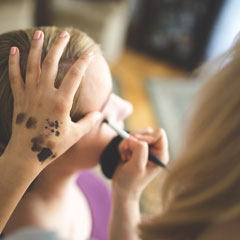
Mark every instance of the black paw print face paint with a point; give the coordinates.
(53, 126)
(39, 143)
(20, 118)
(44, 154)
(31, 122)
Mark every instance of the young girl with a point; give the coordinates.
(201, 192)
(41, 133)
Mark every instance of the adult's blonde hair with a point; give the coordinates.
(203, 185)
(79, 43)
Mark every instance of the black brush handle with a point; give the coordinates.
(155, 160)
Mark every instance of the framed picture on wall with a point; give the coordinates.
(177, 31)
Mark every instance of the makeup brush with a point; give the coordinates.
(125, 135)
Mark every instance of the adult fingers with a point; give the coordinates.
(50, 63)
(164, 138)
(142, 131)
(158, 143)
(139, 156)
(34, 58)
(160, 140)
(123, 149)
(160, 147)
(86, 124)
(153, 170)
(149, 137)
(123, 146)
(74, 76)
(16, 80)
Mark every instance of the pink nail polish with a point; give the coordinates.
(89, 55)
(13, 50)
(37, 35)
(63, 34)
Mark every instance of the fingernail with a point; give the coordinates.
(88, 55)
(13, 50)
(37, 35)
(63, 34)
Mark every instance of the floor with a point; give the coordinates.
(131, 71)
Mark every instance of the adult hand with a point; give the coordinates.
(42, 129)
(131, 177)
(135, 172)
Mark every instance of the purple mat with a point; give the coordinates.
(99, 200)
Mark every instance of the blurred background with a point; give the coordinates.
(152, 47)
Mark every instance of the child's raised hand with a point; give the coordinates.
(136, 172)
(42, 129)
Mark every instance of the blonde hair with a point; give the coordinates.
(79, 43)
(203, 186)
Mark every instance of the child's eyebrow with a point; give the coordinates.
(106, 101)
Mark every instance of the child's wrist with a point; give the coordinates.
(21, 162)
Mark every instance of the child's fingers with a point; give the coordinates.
(34, 59)
(74, 76)
(15, 77)
(50, 63)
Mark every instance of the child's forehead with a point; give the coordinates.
(106, 102)
(97, 85)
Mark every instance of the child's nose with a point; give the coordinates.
(118, 109)
(125, 110)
